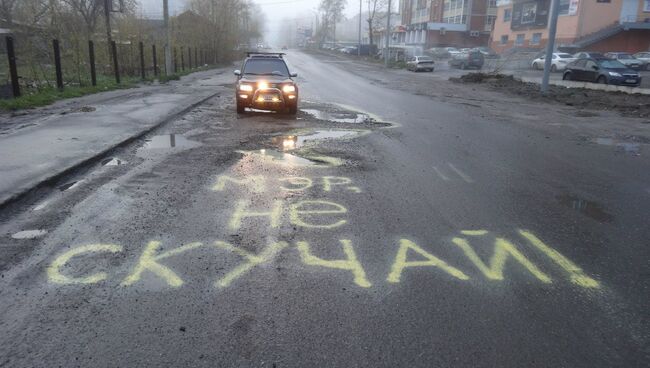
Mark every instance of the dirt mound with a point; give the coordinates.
(633, 105)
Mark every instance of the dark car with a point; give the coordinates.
(602, 70)
(468, 59)
(264, 82)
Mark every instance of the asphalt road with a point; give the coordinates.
(426, 233)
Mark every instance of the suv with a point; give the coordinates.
(417, 63)
(264, 82)
(467, 59)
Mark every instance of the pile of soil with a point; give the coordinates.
(632, 105)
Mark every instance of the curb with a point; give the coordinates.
(4, 203)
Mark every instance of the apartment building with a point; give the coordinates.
(594, 25)
(459, 23)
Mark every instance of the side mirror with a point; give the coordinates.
(238, 72)
(293, 75)
(595, 67)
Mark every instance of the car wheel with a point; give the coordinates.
(566, 76)
(292, 109)
(553, 68)
(601, 80)
(241, 108)
(535, 66)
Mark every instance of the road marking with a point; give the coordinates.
(350, 264)
(149, 262)
(440, 174)
(460, 173)
(432, 261)
(54, 270)
(251, 260)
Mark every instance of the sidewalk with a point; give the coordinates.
(42, 144)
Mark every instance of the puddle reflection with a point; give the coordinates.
(339, 117)
(290, 142)
(628, 147)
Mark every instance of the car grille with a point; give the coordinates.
(630, 75)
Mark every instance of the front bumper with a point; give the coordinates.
(625, 81)
(267, 98)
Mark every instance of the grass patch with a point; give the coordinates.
(32, 98)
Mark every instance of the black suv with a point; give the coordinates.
(264, 82)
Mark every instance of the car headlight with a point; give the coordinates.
(289, 88)
(246, 87)
(615, 74)
(262, 85)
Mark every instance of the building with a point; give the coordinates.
(459, 23)
(594, 25)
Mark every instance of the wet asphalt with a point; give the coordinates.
(378, 228)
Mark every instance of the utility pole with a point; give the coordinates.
(387, 53)
(168, 40)
(550, 46)
(109, 33)
(359, 47)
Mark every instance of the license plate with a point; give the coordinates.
(630, 81)
(267, 97)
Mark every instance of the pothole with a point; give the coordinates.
(627, 147)
(279, 157)
(340, 117)
(298, 140)
(590, 209)
(165, 142)
(29, 234)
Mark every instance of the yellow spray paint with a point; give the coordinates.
(255, 182)
(306, 208)
(298, 183)
(502, 250)
(330, 181)
(242, 212)
(350, 264)
(474, 232)
(401, 263)
(54, 270)
(577, 275)
(149, 262)
(251, 259)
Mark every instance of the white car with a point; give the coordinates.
(645, 57)
(559, 61)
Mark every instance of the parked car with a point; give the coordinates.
(588, 55)
(417, 63)
(644, 57)
(438, 52)
(487, 52)
(626, 58)
(467, 59)
(452, 51)
(602, 70)
(558, 62)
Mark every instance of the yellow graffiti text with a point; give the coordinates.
(300, 210)
(297, 183)
(54, 270)
(401, 262)
(251, 259)
(255, 182)
(149, 262)
(350, 264)
(502, 250)
(241, 212)
(577, 275)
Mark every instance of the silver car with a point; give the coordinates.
(644, 57)
(626, 58)
(417, 63)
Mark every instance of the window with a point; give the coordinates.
(589, 64)
(504, 39)
(519, 41)
(537, 38)
(581, 63)
(564, 7)
(489, 21)
(492, 3)
(507, 15)
(266, 66)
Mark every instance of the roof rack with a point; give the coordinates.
(265, 54)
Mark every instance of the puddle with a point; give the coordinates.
(627, 147)
(588, 208)
(112, 162)
(293, 141)
(167, 141)
(280, 157)
(340, 117)
(70, 185)
(29, 234)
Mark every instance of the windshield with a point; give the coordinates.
(263, 66)
(424, 58)
(613, 64)
(565, 56)
(624, 56)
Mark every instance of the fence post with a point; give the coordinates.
(116, 66)
(57, 64)
(175, 63)
(13, 71)
(142, 72)
(189, 58)
(182, 60)
(196, 56)
(91, 57)
(155, 60)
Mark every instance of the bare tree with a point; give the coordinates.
(373, 7)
